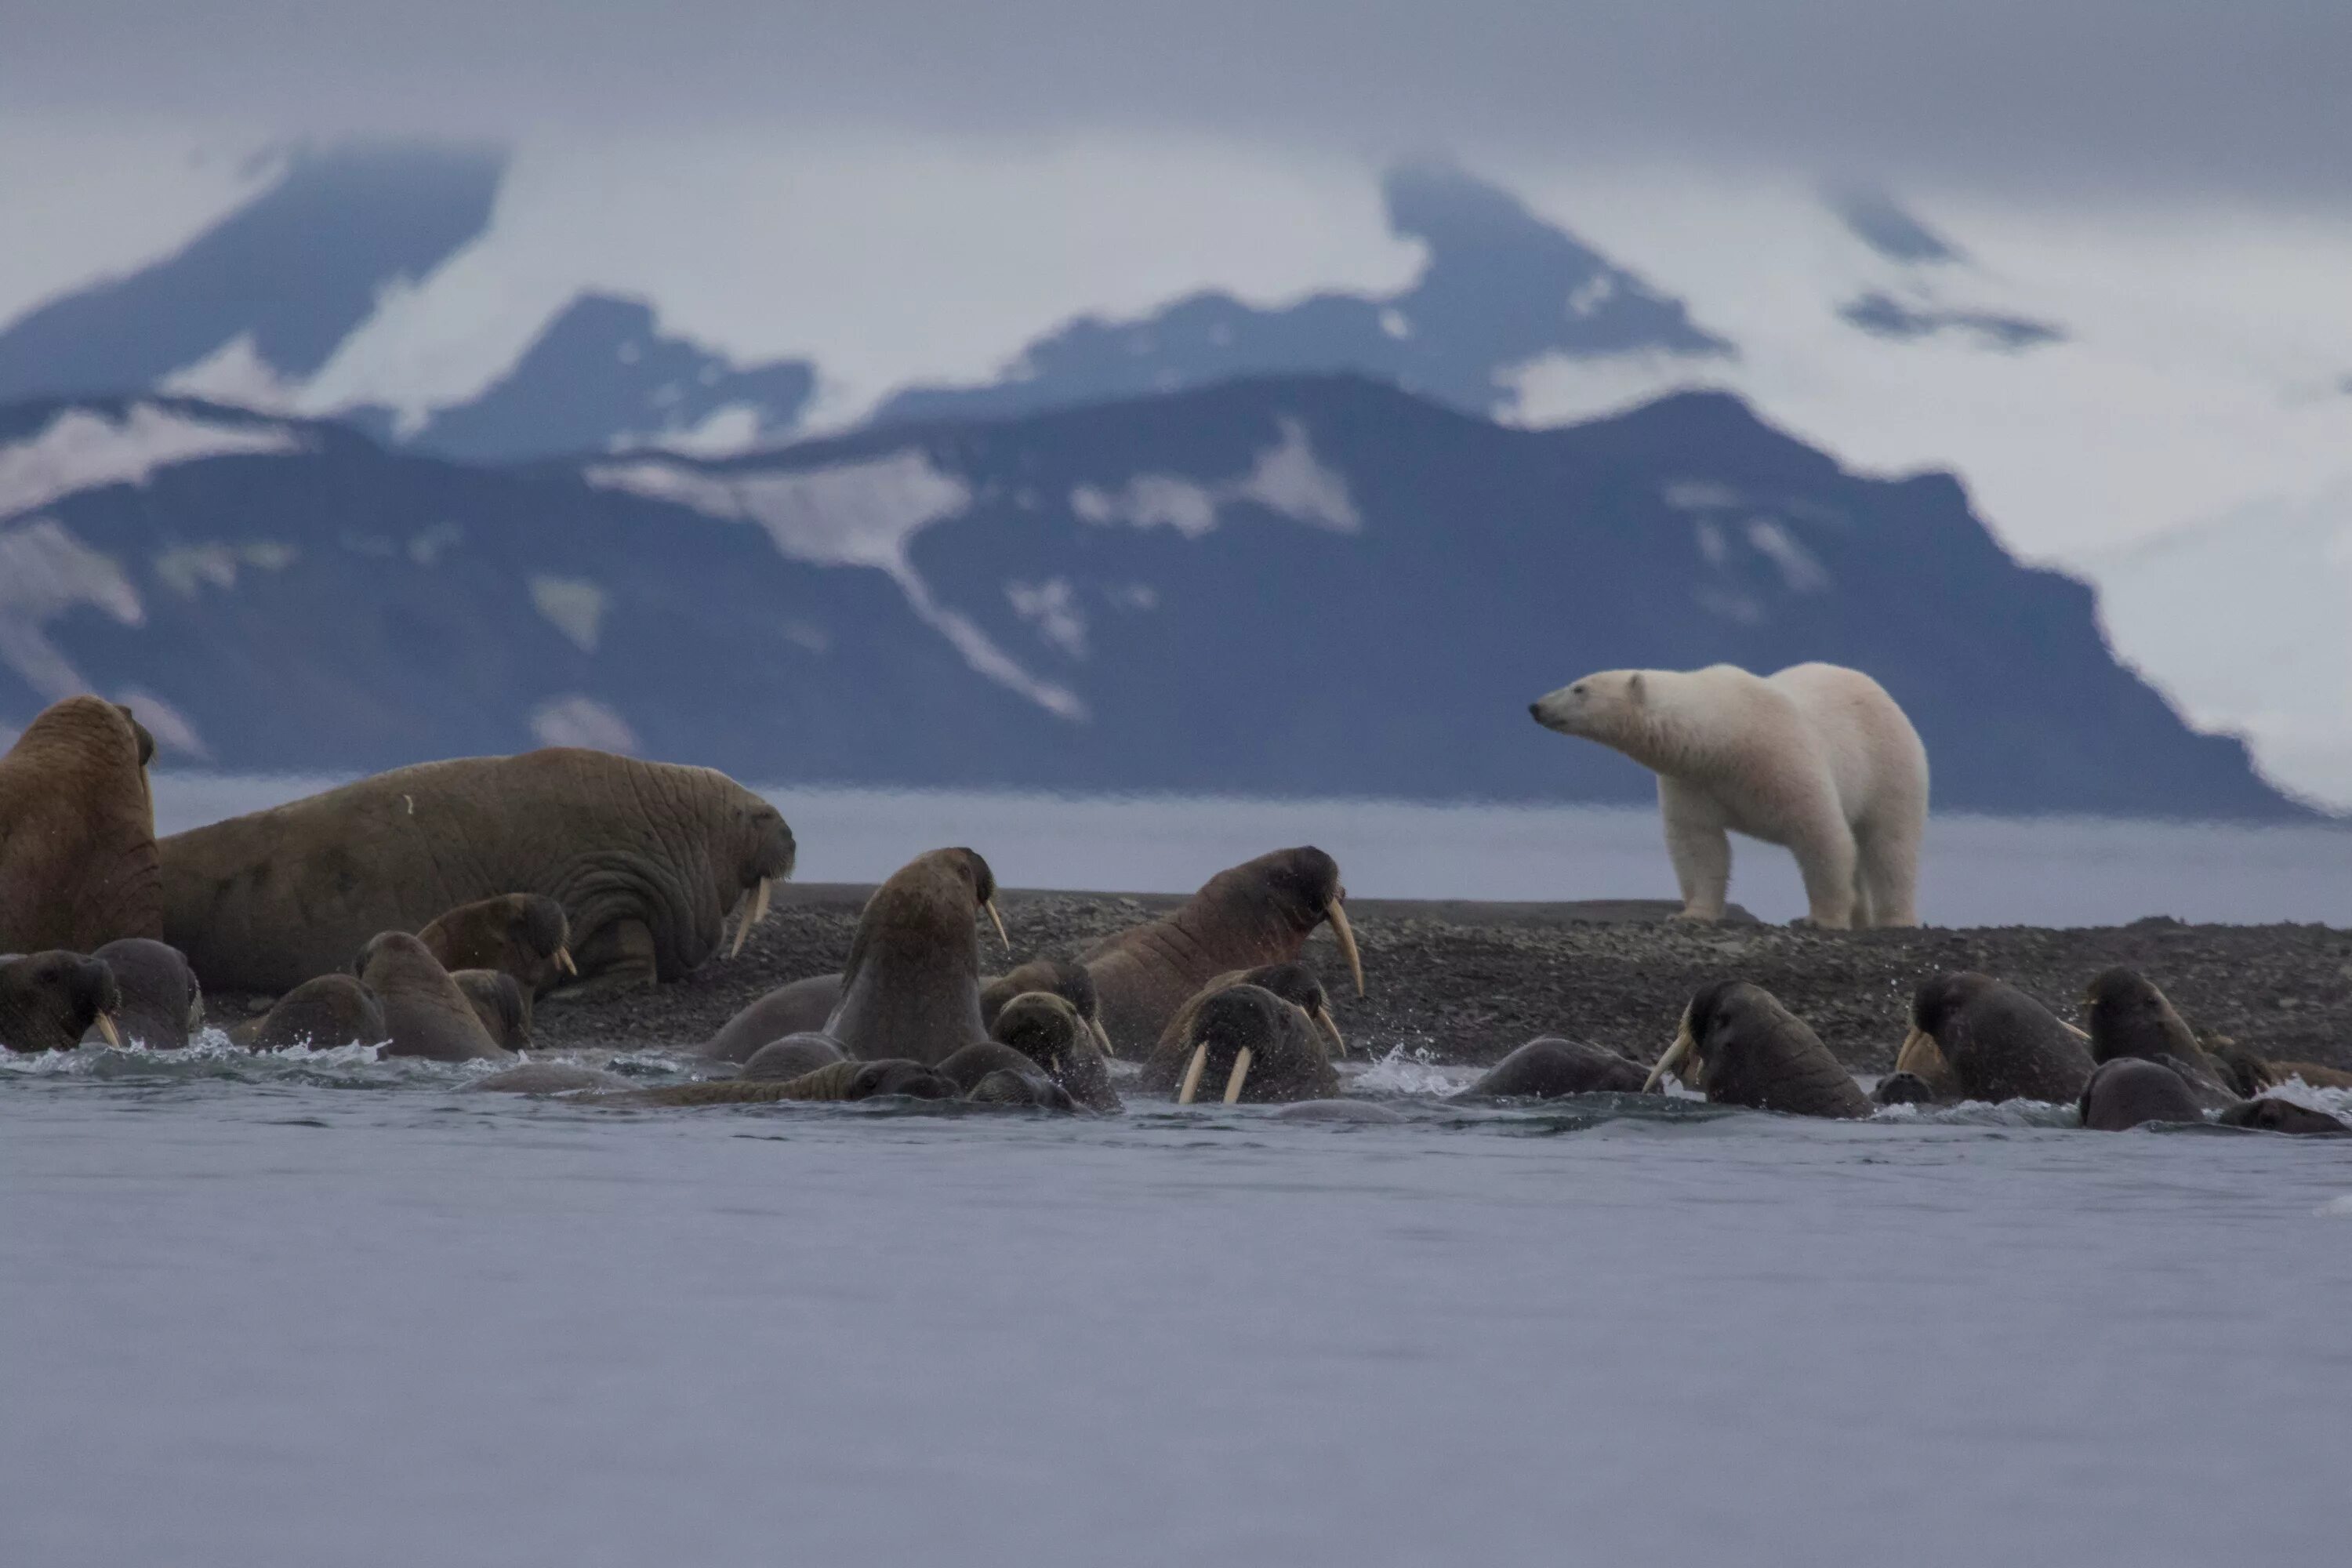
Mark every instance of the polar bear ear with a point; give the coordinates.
(1633, 688)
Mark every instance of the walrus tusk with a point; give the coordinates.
(742, 912)
(759, 908)
(1920, 1054)
(2082, 1035)
(1339, 929)
(564, 962)
(1102, 1036)
(1234, 1080)
(106, 1026)
(1192, 1074)
(1683, 1047)
(1323, 1017)
(1007, 941)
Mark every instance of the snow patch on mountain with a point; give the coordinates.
(82, 449)
(582, 721)
(1285, 478)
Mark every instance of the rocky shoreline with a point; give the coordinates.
(1467, 983)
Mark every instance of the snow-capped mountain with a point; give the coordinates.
(1282, 585)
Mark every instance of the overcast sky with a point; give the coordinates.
(2137, 98)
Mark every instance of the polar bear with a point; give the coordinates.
(1817, 757)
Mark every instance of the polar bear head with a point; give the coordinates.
(1607, 707)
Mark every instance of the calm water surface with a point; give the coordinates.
(328, 1312)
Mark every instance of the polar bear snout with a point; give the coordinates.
(1559, 709)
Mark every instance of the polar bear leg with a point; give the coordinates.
(1828, 860)
(1699, 846)
(1890, 870)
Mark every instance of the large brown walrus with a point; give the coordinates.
(911, 987)
(78, 860)
(1250, 1046)
(1259, 912)
(1551, 1068)
(1039, 1034)
(330, 1011)
(843, 1081)
(522, 934)
(1975, 1038)
(646, 858)
(49, 1001)
(2130, 1017)
(162, 1005)
(424, 1011)
(500, 1001)
(2124, 1092)
(803, 1006)
(1296, 984)
(1738, 1045)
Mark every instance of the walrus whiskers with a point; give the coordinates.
(1239, 1076)
(1346, 936)
(1192, 1074)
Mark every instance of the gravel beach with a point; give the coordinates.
(1465, 982)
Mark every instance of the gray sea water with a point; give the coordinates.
(322, 1311)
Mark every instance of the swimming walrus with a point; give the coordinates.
(803, 1006)
(425, 1013)
(911, 987)
(842, 1081)
(2269, 1113)
(2249, 1074)
(2130, 1017)
(1549, 1068)
(1259, 912)
(330, 1011)
(791, 1056)
(49, 1001)
(646, 858)
(2124, 1092)
(500, 1001)
(1054, 976)
(1260, 1048)
(1975, 1038)
(1012, 1087)
(78, 859)
(162, 1005)
(522, 934)
(1294, 981)
(1739, 1045)
(1039, 1034)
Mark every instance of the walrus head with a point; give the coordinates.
(49, 1001)
(2271, 1114)
(1071, 981)
(1739, 1045)
(2130, 1017)
(525, 935)
(1049, 1030)
(78, 865)
(1273, 901)
(766, 854)
(1264, 1046)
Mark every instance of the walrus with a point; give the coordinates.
(1047, 1027)
(646, 858)
(2311, 1073)
(78, 858)
(911, 987)
(1011, 1086)
(522, 934)
(49, 1001)
(1975, 1038)
(330, 1011)
(1904, 1089)
(1339, 1111)
(803, 1006)
(2130, 1017)
(793, 1055)
(1739, 1045)
(2241, 1072)
(1548, 1068)
(842, 1081)
(424, 1011)
(551, 1077)
(501, 1001)
(1261, 1048)
(2269, 1113)
(162, 1005)
(1295, 983)
(2124, 1092)
(1259, 912)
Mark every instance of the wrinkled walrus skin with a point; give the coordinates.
(78, 858)
(646, 858)
(1259, 912)
(1976, 1037)
(1739, 1045)
(911, 987)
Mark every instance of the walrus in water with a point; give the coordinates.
(1549, 1068)
(49, 1001)
(2250, 1075)
(162, 1005)
(424, 1011)
(911, 987)
(842, 1081)
(1259, 912)
(1904, 1089)
(646, 859)
(1261, 1048)
(1293, 982)
(1011, 1086)
(803, 1006)
(522, 934)
(789, 1057)
(1975, 1038)
(2124, 1092)
(2130, 1017)
(78, 859)
(1040, 1032)
(500, 1001)
(321, 1015)
(1738, 1045)
(2269, 1113)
